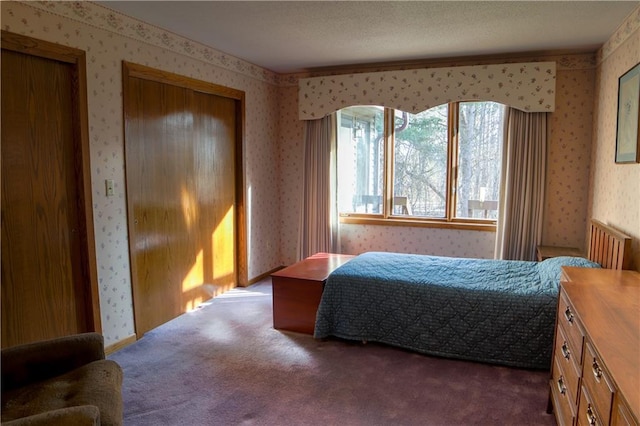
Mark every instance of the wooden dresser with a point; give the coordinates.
(596, 361)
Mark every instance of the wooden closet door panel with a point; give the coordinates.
(159, 176)
(180, 146)
(214, 117)
(43, 282)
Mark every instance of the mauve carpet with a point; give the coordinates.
(224, 364)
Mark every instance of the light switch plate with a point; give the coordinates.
(108, 183)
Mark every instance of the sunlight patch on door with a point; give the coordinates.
(192, 281)
(223, 238)
(189, 208)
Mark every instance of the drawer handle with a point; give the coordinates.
(565, 351)
(591, 416)
(568, 314)
(597, 371)
(561, 387)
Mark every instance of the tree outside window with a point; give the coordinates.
(443, 164)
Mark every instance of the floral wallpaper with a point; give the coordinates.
(568, 154)
(615, 188)
(356, 239)
(526, 86)
(290, 168)
(108, 38)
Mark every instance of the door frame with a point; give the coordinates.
(130, 69)
(77, 59)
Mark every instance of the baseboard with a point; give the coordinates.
(120, 344)
(263, 276)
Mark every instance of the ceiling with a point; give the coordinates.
(292, 36)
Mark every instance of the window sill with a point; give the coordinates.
(486, 226)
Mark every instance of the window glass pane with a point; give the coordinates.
(360, 159)
(479, 159)
(420, 163)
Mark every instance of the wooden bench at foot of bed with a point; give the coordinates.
(297, 290)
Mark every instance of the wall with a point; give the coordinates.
(567, 173)
(615, 188)
(108, 38)
(290, 183)
(569, 151)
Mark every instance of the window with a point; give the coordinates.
(442, 165)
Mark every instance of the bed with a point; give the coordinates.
(494, 311)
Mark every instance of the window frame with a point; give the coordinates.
(450, 221)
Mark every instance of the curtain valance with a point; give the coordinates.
(530, 87)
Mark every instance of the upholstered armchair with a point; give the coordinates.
(64, 381)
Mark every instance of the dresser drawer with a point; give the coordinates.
(570, 324)
(621, 416)
(565, 355)
(587, 414)
(562, 400)
(598, 383)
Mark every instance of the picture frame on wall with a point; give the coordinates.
(628, 130)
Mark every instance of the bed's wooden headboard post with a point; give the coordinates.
(609, 247)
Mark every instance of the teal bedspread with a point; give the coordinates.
(494, 311)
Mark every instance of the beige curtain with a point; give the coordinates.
(522, 191)
(318, 230)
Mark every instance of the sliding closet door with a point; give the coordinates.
(214, 117)
(158, 136)
(180, 167)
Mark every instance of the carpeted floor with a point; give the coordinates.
(224, 364)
